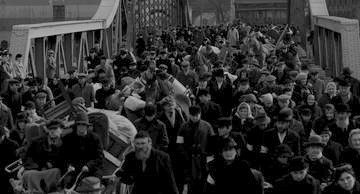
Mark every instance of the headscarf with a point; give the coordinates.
(244, 105)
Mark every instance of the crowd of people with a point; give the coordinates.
(257, 118)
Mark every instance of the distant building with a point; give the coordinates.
(211, 12)
(344, 8)
(261, 11)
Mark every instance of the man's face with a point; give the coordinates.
(195, 118)
(325, 138)
(344, 90)
(55, 133)
(82, 80)
(219, 79)
(342, 116)
(282, 126)
(244, 86)
(204, 98)
(313, 152)
(81, 130)
(41, 101)
(142, 148)
(355, 141)
(229, 155)
(224, 130)
(283, 103)
(299, 175)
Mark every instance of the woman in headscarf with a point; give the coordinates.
(243, 119)
(330, 92)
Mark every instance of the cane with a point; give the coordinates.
(77, 180)
(70, 169)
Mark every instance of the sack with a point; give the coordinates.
(132, 103)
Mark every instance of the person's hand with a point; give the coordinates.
(71, 168)
(49, 165)
(267, 185)
(323, 185)
(85, 169)
(264, 150)
(186, 188)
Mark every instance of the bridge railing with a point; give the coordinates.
(69, 40)
(336, 40)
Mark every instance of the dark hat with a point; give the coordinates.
(244, 81)
(54, 124)
(205, 76)
(227, 144)
(314, 140)
(41, 94)
(285, 114)
(248, 98)
(305, 110)
(224, 122)
(71, 70)
(82, 119)
(283, 150)
(218, 72)
(342, 108)
(297, 163)
(29, 105)
(194, 110)
(324, 130)
(203, 92)
(329, 106)
(262, 118)
(90, 184)
(168, 100)
(342, 168)
(346, 71)
(344, 83)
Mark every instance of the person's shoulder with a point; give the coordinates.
(205, 124)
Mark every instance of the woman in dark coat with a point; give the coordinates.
(344, 182)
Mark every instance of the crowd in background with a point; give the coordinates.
(261, 116)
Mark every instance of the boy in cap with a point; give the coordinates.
(298, 181)
(319, 166)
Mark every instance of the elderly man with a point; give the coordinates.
(43, 159)
(147, 168)
(82, 149)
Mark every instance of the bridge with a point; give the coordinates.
(116, 23)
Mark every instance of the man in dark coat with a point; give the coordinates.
(282, 135)
(8, 156)
(210, 110)
(103, 94)
(83, 149)
(147, 168)
(93, 59)
(319, 166)
(43, 159)
(342, 126)
(332, 149)
(154, 127)
(194, 140)
(346, 97)
(221, 92)
(298, 181)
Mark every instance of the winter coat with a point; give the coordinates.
(79, 151)
(157, 131)
(157, 178)
(286, 185)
